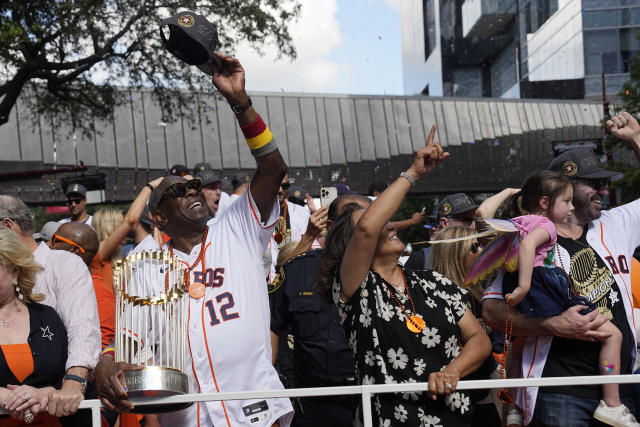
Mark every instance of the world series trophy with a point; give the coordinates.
(151, 326)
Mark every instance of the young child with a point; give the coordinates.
(544, 289)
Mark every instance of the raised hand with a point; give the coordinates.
(624, 126)
(230, 80)
(428, 157)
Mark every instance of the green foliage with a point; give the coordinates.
(75, 55)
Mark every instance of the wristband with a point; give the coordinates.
(109, 351)
(259, 138)
(81, 380)
(150, 187)
(408, 178)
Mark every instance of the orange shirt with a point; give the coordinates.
(106, 299)
(635, 282)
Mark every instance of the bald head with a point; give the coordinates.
(80, 234)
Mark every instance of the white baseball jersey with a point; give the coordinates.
(229, 347)
(614, 237)
(298, 218)
(86, 221)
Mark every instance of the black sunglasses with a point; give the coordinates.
(74, 201)
(285, 186)
(179, 189)
(476, 247)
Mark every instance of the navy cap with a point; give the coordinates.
(202, 166)
(239, 179)
(581, 163)
(208, 177)
(192, 39)
(455, 204)
(76, 189)
(179, 170)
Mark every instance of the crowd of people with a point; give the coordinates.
(285, 289)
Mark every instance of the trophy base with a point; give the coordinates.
(157, 381)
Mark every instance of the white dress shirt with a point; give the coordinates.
(66, 283)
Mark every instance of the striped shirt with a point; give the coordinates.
(66, 283)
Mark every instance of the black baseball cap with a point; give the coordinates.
(179, 170)
(455, 204)
(208, 177)
(192, 39)
(76, 189)
(202, 166)
(582, 163)
(239, 179)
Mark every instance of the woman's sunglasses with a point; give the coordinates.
(476, 247)
(179, 189)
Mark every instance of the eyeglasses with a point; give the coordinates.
(179, 189)
(596, 184)
(285, 185)
(476, 247)
(55, 237)
(72, 202)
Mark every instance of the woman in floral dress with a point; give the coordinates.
(403, 326)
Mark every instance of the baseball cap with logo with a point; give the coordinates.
(208, 177)
(239, 179)
(582, 163)
(76, 189)
(192, 39)
(179, 170)
(202, 166)
(455, 204)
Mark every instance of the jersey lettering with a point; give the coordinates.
(211, 278)
(612, 264)
(622, 262)
(224, 308)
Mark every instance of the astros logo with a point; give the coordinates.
(569, 168)
(185, 20)
(446, 209)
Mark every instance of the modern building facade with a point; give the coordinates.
(518, 48)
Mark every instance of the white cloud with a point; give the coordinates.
(316, 34)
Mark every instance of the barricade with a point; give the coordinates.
(366, 391)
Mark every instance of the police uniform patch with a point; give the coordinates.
(569, 168)
(185, 20)
(446, 209)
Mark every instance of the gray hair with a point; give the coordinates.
(15, 209)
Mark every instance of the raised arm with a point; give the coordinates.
(626, 127)
(489, 207)
(360, 250)
(230, 82)
(108, 246)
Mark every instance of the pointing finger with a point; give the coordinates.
(432, 134)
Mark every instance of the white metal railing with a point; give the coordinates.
(366, 391)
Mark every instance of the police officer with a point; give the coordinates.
(321, 354)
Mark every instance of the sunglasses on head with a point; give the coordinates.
(55, 238)
(285, 186)
(72, 202)
(476, 247)
(179, 189)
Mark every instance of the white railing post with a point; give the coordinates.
(95, 416)
(366, 407)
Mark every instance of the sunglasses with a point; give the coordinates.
(179, 189)
(285, 186)
(476, 247)
(596, 184)
(72, 202)
(55, 238)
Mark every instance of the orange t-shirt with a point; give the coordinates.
(635, 282)
(106, 299)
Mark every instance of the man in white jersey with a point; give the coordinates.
(595, 249)
(228, 310)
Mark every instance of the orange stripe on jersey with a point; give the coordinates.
(215, 381)
(256, 215)
(19, 359)
(626, 287)
(193, 369)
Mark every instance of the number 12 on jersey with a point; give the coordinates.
(224, 308)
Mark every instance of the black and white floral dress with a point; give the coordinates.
(388, 353)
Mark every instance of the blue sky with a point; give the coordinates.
(344, 46)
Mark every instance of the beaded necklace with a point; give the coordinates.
(197, 290)
(414, 323)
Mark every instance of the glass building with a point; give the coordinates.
(518, 48)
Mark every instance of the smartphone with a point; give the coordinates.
(328, 195)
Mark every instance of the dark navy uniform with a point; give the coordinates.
(321, 356)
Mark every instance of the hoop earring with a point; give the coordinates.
(20, 296)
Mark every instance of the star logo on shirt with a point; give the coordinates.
(46, 333)
(613, 297)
